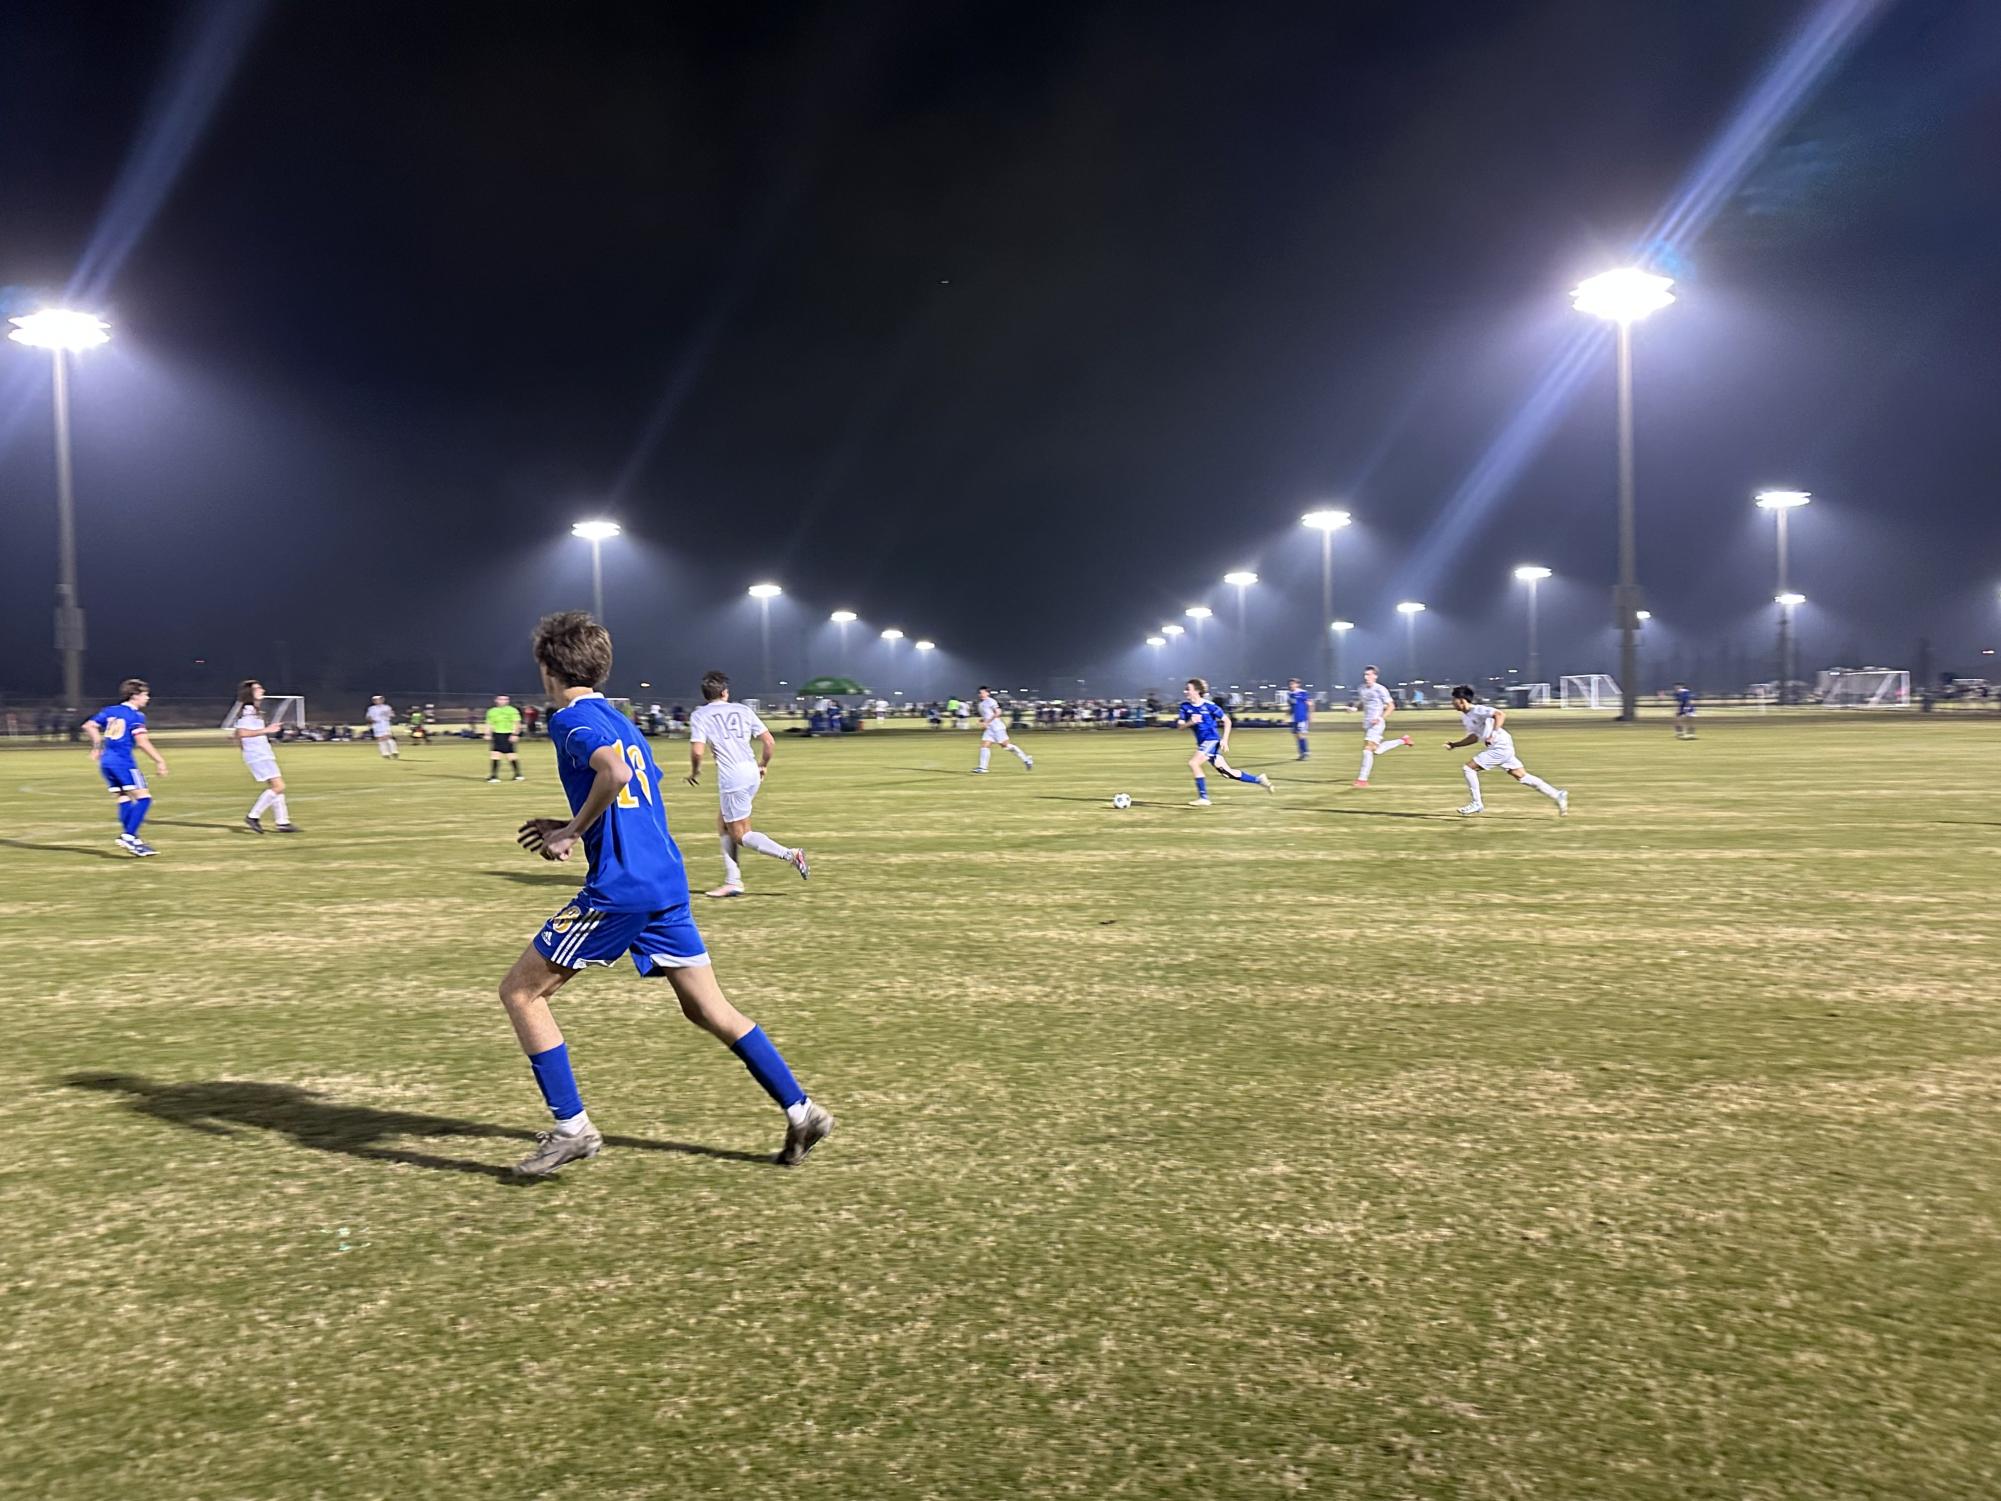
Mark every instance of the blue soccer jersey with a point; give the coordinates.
(1684, 701)
(1204, 718)
(1301, 704)
(119, 722)
(635, 866)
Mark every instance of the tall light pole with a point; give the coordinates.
(1532, 575)
(1154, 645)
(1410, 609)
(597, 533)
(1624, 297)
(1173, 633)
(1339, 631)
(764, 594)
(1782, 503)
(844, 619)
(892, 636)
(62, 331)
(1241, 579)
(1327, 522)
(924, 650)
(1198, 614)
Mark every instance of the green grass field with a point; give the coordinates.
(1324, 1143)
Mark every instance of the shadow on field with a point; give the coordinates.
(535, 877)
(191, 823)
(313, 1121)
(1392, 813)
(62, 849)
(1105, 802)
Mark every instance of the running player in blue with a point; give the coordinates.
(634, 901)
(1212, 739)
(1684, 712)
(1299, 704)
(115, 731)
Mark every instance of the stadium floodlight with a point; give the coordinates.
(1174, 630)
(1533, 574)
(765, 591)
(1337, 643)
(764, 594)
(1782, 503)
(1241, 579)
(1410, 609)
(1327, 521)
(844, 617)
(1198, 612)
(1789, 599)
(892, 634)
(1342, 626)
(64, 331)
(1643, 615)
(926, 645)
(1156, 641)
(1623, 297)
(596, 531)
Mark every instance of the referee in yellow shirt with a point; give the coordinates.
(503, 723)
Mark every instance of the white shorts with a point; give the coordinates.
(994, 733)
(1376, 730)
(382, 732)
(262, 767)
(737, 798)
(1500, 756)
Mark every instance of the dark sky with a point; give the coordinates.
(1013, 325)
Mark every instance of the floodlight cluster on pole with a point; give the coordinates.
(1327, 521)
(597, 533)
(64, 331)
(1241, 579)
(1623, 297)
(1533, 574)
(1782, 503)
(764, 594)
(1410, 609)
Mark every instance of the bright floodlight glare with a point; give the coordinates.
(927, 646)
(1241, 577)
(1198, 612)
(1529, 572)
(595, 531)
(1326, 521)
(60, 328)
(1623, 296)
(1643, 614)
(1156, 641)
(765, 591)
(1789, 599)
(1410, 607)
(892, 634)
(1783, 500)
(843, 617)
(1343, 625)
(1174, 630)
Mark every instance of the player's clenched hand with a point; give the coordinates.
(692, 780)
(547, 837)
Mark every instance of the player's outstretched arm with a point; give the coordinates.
(1462, 741)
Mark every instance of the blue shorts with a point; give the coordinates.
(1299, 726)
(580, 935)
(118, 778)
(1208, 750)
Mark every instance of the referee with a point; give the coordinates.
(503, 723)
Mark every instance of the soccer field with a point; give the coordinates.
(1324, 1143)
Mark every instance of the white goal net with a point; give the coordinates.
(1535, 693)
(1866, 688)
(1590, 690)
(280, 709)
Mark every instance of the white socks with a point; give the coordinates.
(732, 876)
(386, 745)
(1388, 746)
(1472, 782)
(1020, 754)
(765, 845)
(1540, 786)
(278, 803)
(264, 800)
(795, 1113)
(576, 1125)
(1368, 763)
(985, 752)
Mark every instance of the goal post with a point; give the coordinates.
(1588, 690)
(280, 710)
(1867, 688)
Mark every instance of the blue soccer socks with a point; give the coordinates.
(765, 1066)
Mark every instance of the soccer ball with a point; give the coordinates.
(1121, 801)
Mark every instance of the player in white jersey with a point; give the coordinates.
(726, 730)
(993, 733)
(247, 729)
(382, 725)
(1377, 705)
(1487, 725)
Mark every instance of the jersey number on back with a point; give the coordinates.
(114, 729)
(637, 760)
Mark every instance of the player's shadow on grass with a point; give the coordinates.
(61, 849)
(536, 877)
(190, 823)
(1105, 802)
(1390, 813)
(217, 1107)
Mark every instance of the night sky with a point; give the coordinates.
(1015, 326)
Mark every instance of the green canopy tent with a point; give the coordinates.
(832, 688)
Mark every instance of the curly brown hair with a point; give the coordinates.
(573, 648)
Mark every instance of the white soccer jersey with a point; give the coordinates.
(380, 718)
(989, 711)
(255, 747)
(1374, 700)
(727, 729)
(1479, 721)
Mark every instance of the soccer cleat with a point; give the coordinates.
(1406, 740)
(1361, 781)
(800, 864)
(127, 843)
(519, 778)
(1198, 802)
(808, 1134)
(1562, 802)
(979, 771)
(1028, 763)
(141, 848)
(1471, 808)
(725, 890)
(1267, 783)
(553, 1149)
(494, 780)
(253, 823)
(288, 828)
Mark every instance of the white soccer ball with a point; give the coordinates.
(1121, 801)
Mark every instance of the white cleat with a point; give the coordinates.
(1268, 784)
(808, 1134)
(1562, 801)
(1198, 802)
(1028, 763)
(554, 1148)
(979, 771)
(1405, 740)
(723, 891)
(801, 864)
(1471, 808)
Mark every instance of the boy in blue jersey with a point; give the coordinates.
(634, 901)
(1299, 704)
(115, 731)
(1684, 712)
(1212, 739)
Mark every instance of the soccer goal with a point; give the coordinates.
(1533, 693)
(1868, 688)
(1591, 690)
(280, 709)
